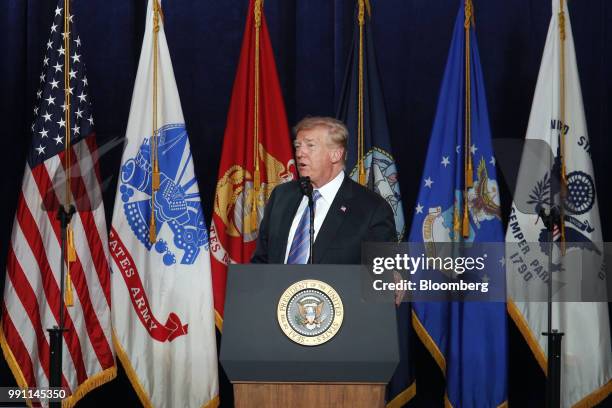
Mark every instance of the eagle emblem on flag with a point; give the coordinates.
(174, 205)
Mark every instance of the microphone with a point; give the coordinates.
(306, 187)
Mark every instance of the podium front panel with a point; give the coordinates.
(254, 348)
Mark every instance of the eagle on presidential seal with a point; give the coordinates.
(310, 312)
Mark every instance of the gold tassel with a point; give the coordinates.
(155, 179)
(257, 186)
(456, 221)
(466, 219)
(71, 257)
(68, 298)
(152, 231)
(257, 180)
(362, 175)
(469, 173)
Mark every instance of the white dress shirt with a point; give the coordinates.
(328, 193)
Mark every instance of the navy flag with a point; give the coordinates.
(459, 201)
(371, 163)
(362, 109)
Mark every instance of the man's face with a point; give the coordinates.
(314, 155)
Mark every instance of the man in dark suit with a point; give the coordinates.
(346, 213)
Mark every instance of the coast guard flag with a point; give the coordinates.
(586, 369)
(162, 294)
(257, 154)
(32, 285)
(380, 171)
(467, 340)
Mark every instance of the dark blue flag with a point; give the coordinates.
(362, 109)
(371, 145)
(459, 202)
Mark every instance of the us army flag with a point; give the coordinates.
(557, 118)
(161, 287)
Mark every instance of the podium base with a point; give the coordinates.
(308, 395)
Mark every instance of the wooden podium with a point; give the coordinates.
(268, 369)
(301, 395)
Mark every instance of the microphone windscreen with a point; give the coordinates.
(305, 186)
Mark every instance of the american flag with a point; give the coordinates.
(32, 293)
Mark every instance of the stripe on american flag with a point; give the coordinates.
(12, 337)
(33, 231)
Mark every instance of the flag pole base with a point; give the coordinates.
(56, 332)
(55, 361)
(553, 379)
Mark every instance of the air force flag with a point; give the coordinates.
(468, 340)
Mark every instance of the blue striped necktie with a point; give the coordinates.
(300, 246)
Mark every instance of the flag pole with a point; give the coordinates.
(64, 214)
(155, 178)
(360, 130)
(468, 167)
(256, 176)
(553, 370)
(71, 252)
(562, 119)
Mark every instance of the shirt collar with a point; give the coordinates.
(329, 190)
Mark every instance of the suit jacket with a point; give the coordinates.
(356, 215)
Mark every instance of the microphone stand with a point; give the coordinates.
(312, 211)
(553, 380)
(306, 187)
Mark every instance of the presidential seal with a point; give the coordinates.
(310, 312)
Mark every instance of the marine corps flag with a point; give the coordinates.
(371, 163)
(162, 292)
(557, 120)
(256, 157)
(459, 202)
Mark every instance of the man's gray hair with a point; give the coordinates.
(337, 131)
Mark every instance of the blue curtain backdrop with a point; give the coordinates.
(311, 40)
